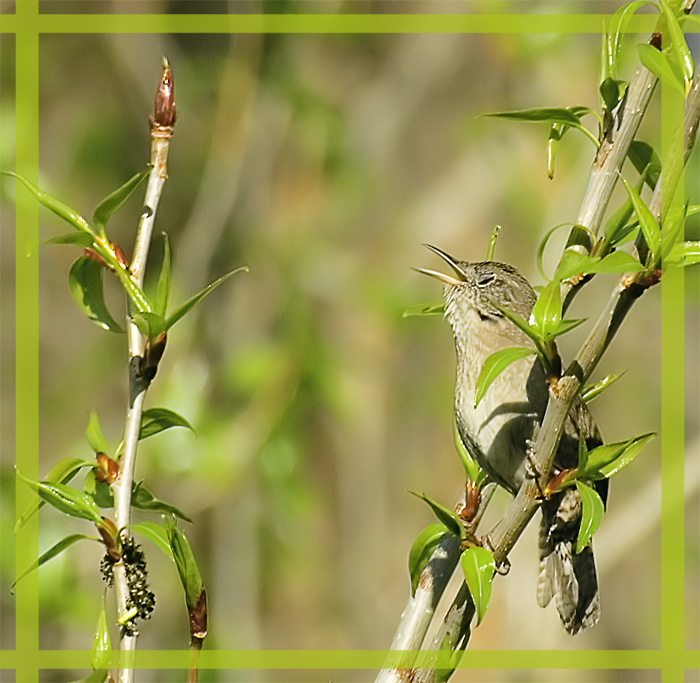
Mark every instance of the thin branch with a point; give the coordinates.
(161, 132)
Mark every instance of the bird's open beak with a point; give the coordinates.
(445, 279)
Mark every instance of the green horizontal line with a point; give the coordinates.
(360, 659)
(329, 23)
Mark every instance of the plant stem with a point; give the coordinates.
(160, 140)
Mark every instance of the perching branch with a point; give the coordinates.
(161, 131)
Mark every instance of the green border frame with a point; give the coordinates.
(672, 659)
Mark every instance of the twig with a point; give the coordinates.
(161, 131)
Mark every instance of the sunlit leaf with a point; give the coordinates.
(618, 24)
(65, 499)
(568, 325)
(62, 472)
(479, 567)
(683, 254)
(85, 280)
(192, 302)
(679, 47)
(658, 63)
(424, 309)
(52, 552)
(444, 515)
(546, 313)
(471, 467)
(610, 458)
(156, 420)
(101, 643)
(494, 365)
(492, 243)
(573, 263)
(94, 434)
(556, 133)
(617, 262)
(422, 550)
(646, 161)
(143, 499)
(185, 562)
(150, 325)
(112, 202)
(58, 207)
(77, 239)
(155, 533)
(592, 513)
(592, 391)
(647, 222)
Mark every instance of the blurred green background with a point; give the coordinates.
(322, 162)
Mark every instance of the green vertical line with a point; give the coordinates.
(672, 427)
(27, 333)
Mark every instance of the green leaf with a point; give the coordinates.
(647, 222)
(592, 391)
(62, 472)
(556, 133)
(58, 207)
(616, 262)
(85, 280)
(568, 325)
(646, 161)
(610, 458)
(582, 452)
(494, 365)
(160, 305)
(155, 533)
(679, 48)
(591, 514)
(65, 499)
(143, 499)
(672, 227)
(101, 643)
(424, 309)
(444, 515)
(546, 313)
(112, 202)
(492, 243)
(52, 552)
(185, 562)
(573, 263)
(618, 24)
(479, 567)
(683, 254)
(422, 550)
(156, 420)
(94, 434)
(543, 245)
(611, 91)
(150, 324)
(658, 63)
(471, 467)
(190, 303)
(77, 239)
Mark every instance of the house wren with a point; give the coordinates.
(498, 432)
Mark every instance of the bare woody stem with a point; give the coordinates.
(161, 132)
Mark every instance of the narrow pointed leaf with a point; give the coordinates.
(492, 243)
(616, 262)
(679, 46)
(617, 27)
(101, 643)
(160, 305)
(582, 452)
(573, 263)
(672, 227)
(85, 280)
(647, 162)
(65, 499)
(471, 467)
(94, 434)
(62, 472)
(185, 562)
(494, 365)
(478, 567)
(556, 133)
(143, 499)
(606, 460)
(546, 313)
(658, 63)
(58, 207)
(683, 254)
(155, 533)
(52, 552)
(156, 420)
(150, 324)
(548, 114)
(444, 515)
(190, 303)
(592, 391)
(112, 202)
(424, 309)
(647, 222)
(568, 325)
(422, 550)
(591, 514)
(77, 239)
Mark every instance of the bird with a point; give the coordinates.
(498, 431)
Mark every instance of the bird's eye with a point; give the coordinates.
(483, 279)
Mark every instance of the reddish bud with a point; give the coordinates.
(198, 619)
(164, 110)
(120, 255)
(558, 481)
(110, 537)
(655, 40)
(106, 469)
(92, 254)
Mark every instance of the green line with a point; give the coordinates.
(672, 427)
(334, 23)
(27, 334)
(372, 659)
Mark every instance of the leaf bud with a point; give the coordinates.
(106, 469)
(164, 110)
